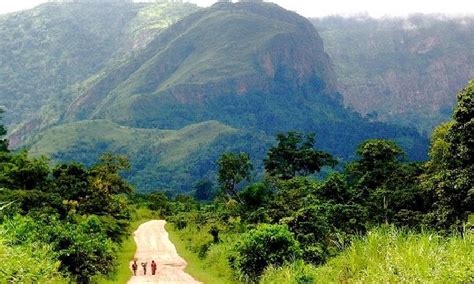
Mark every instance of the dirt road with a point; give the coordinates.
(153, 244)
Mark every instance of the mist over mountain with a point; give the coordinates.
(173, 86)
(401, 70)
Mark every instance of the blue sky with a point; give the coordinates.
(314, 8)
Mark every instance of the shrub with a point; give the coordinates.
(83, 249)
(261, 247)
(28, 263)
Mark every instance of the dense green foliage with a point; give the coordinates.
(449, 175)
(388, 255)
(295, 155)
(28, 263)
(379, 219)
(62, 222)
(159, 159)
(233, 169)
(261, 247)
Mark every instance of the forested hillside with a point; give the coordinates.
(401, 70)
(161, 159)
(45, 52)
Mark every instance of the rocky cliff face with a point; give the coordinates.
(401, 70)
(227, 50)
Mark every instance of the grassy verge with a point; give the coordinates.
(389, 256)
(197, 267)
(127, 250)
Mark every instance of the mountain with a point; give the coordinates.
(225, 52)
(225, 78)
(46, 51)
(401, 70)
(248, 65)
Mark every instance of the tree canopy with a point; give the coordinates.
(295, 155)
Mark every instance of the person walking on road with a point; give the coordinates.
(144, 267)
(134, 267)
(153, 267)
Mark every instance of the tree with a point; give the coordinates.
(106, 174)
(295, 155)
(378, 161)
(21, 172)
(204, 190)
(439, 152)
(461, 134)
(158, 201)
(338, 200)
(105, 182)
(233, 169)
(378, 158)
(311, 228)
(71, 181)
(107, 195)
(449, 175)
(3, 132)
(255, 198)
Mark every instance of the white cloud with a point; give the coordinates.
(314, 8)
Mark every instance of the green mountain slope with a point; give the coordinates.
(45, 51)
(160, 159)
(405, 71)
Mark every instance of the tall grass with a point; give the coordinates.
(207, 262)
(389, 255)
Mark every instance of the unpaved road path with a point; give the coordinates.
(153, 244)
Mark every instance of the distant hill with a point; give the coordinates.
(160, 159)
(225, 78)
(404, 71)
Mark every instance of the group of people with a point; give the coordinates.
(144, 265)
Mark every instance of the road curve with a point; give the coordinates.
(153, 243)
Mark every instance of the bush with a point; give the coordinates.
(28, 263)
(261, 247)
(83, 249)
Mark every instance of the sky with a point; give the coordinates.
(315, 8)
